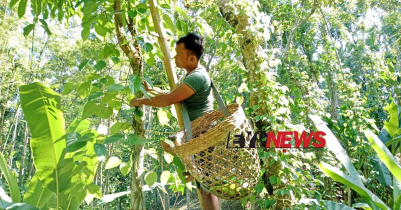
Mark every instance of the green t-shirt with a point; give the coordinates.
(202, 100)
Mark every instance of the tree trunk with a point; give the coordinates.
(133, 52)
(258, 75)
(23, 155)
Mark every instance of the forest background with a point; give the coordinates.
(281, 60)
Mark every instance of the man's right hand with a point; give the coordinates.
(167, 148)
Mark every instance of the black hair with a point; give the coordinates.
(193, 43)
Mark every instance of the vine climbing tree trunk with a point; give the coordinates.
(241, 16)
(133, 52)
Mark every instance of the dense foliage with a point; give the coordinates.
(68, 70)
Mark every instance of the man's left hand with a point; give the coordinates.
(135, 102)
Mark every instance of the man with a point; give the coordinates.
(195, 93)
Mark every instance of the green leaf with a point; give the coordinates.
(150, 178)
(90, 109)
(95, 95)
(132, 13)
(115, 87)
(115, 128)
(115, 59)
(13, 2)
(22, 8)
(384, 174)
(125, 167)
(133, 139)
(391, 126)
(28, 29)
(147, 47)
(169, 23)
(100, 64)
(68, 87)
(16, 206)
(85, 33)
(74, 142)
(11, 180)
(112, 162)
(104, 112)
(99, 29)
(331, 205)
(114, 138)
(182, 13)
(390, 67)
(384, 154)
(178, 163)
(164, 177)
(84, 89)
(334, 145)
(100, 150)
(45, 26)
(162, 115)
(83, 64)
(36, 194)
(135, 83)
(42, 104)
(341, 177)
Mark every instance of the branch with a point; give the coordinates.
(296, 26)
(125, 45)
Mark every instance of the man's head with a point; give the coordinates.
(189, 50)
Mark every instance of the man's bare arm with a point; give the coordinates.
(179, 94)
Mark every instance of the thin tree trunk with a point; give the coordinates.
(15, 129)
(23, 155)
(133, 52)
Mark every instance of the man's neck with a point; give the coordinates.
(190, 69)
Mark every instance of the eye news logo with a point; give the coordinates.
(283, 140)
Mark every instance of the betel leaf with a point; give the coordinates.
(135, 83)
(90, 109)
(100, 64)
(112, 162)
(73, 142)
(115, 59)
(85, 33)
(114, 138)
(125, 167)
(42, 104)
(178, 163)
(68, 88)
(100, 150)
(132, 13)
(115, 128)
(148, 47)
(104, 112)
(84, 89)
(28, 29)
(150, 178)
(115, 87)
(83, 64)
(95, 95)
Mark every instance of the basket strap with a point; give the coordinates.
(185, 116)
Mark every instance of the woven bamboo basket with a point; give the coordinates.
(228, 173)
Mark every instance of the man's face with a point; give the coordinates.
(183, 56)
